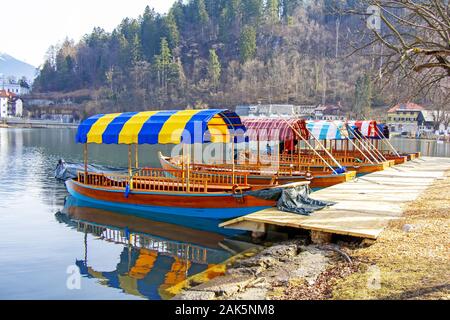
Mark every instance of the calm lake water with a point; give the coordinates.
(427, 147)
(45, 239)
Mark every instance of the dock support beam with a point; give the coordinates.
(319, 237)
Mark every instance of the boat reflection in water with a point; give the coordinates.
(156, 255)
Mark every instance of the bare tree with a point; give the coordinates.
(414, 41)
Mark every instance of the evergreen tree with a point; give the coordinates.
(173, 34)
(288, 7)
(252, 11)
(247, 43)
(272, 11)
(162, 63)
(149, 34)
(230, 20)
(201, 15)
(214, 68)
(136, 51)
(363, 96)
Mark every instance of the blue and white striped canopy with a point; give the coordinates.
(327, 130)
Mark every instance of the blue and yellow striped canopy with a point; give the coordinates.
(161, 127)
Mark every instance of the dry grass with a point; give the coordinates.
(407, 265)
(321, 289)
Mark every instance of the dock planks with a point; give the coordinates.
(364, 206)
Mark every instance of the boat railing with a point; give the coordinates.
(158, 180)
(198, 173)
(310, 159)
(155, 179)
(242, 171)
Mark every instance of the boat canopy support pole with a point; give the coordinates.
(374, 149)
(258, 160)
(129, 160)
(85, 156)
(136, 156)
(326, 151)
(386, 140)
(188, 166)
(353, 144)
(233, 178)
(309, 145)
(363, 146)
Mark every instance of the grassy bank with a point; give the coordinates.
(411, 258)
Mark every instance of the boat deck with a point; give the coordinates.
(363, 207)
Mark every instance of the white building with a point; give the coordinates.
(15, 88)
(275, 110)
(3, 104)
(10, 105)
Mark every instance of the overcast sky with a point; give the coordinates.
(30, 27)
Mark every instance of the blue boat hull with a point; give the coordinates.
(151, 210)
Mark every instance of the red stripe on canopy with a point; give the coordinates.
(366, 127)
(275, 129)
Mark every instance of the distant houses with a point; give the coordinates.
(19, 88)
(10, 105)
(329, 112)
(412, 118)
(313, 112)
(404, 117)
(408, 117)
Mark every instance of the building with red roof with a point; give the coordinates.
(404, 117)
(10, 105)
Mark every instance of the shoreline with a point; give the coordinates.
(36, 126)
(408, 261)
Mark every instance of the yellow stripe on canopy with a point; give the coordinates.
(130, 131)
(98, 128)
(173, 128)
(218, 130)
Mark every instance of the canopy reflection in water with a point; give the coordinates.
(155, 256)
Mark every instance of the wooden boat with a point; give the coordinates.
(397, 159)
(313, 163)
(165, 192)
(260, 175)
(170, 192)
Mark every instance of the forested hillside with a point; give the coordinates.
(217, 53)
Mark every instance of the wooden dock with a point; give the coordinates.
(364, 206)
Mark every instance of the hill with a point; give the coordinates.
(12, 67)
(217, 52)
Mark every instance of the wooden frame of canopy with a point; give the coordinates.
(364, 131)
(338, 130)
(281, 129)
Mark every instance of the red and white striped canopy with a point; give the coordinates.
(368, 128)
(275, 129)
